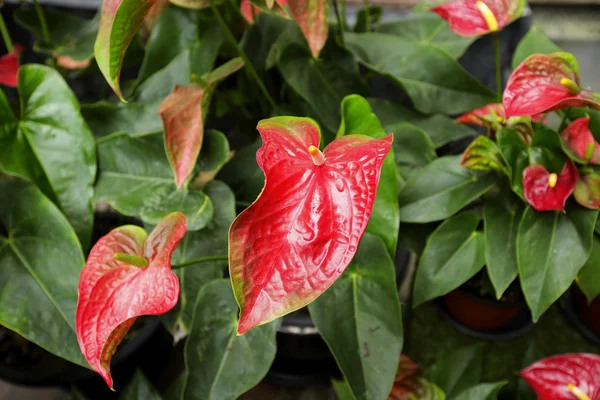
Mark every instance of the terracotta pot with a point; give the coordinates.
(480, 314)
(588, 313)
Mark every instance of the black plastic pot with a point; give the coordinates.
(303, 357)
(582, 315)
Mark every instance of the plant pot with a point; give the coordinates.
(584, 316)
(303, 358)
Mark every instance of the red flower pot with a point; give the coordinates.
(589, 313)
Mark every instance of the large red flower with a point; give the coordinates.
(477, 17)
(546, 82)
(9, 66)
(546, 191)
(579, 142)
(565, 377)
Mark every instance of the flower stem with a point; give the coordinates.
(200, 260)
(247, 63)
(367, 8)
(42, 18)
(498, 67)
(340, 20)
(5, 36)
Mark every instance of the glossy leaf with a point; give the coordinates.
(535, 86)
(453, 254)
(139, 388)
(579, 143)
(219, 364)
(588, 278)
(483, 154)
(358, 118)
(311, 16)
(119, 22)
(359, 318)
(50, 145)
(427, 27)
(413, 149)
(449, 187)
(317, 215)
(106, 118)
(467, 19)
(342, 390)
(515, 152)
(565, 377)
(551, 249)
(9, 66)
(243, 175)
(455, 91)
(545, 191)
(40, 260)
(587, 189)
(458, 370)
(534, 42)
(484, 391)
(501, 217)
(136, 180)
(114, 292)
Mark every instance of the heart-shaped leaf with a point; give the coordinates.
(551, 249)
(318, 206)
(40, 260)
(136, 179)
(534, 42)
(565, 377)
(546, 82)
(579, 142)
(9, 66)
(106, 118)
(588, 279)
(484, 391)
(546, 191)
(119, 22)
(470, 18)
(311, 16)
(139, 388)
(453, 254)
(587, 189)
(50, 145)
(458, 370)
(219, 364)
(483, 154)
(413, 149)
(365, 342)
(127, 274)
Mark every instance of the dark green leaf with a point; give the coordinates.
(359, 319)
(533, 354)
(367, 17)
(219, 364)
(136, 179)
(588, 278)
(261, 36)
(501, 218)
(535, 42)
(459, 370)
(515, 153)
(358, 118)
(40, 262)
(546, 149)
(440, 128)
(139, 389)
(414, 236)
(551, 249)
(106, 118)
(159, 85)
(434, 80)
(427, 27)
(483, 391)
(413, 149)
(440, 189)
(243, 175)
(342, 390)
(51, 144)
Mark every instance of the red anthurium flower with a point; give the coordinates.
(546, 82)
(565, 377)
(127, 274)
(301, 233)
(485, 116)
(580, 143)
(587, 189)
(470, 18)
(9, 66)
(546, 191)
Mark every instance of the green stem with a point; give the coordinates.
(340, 21)
(247, 63)
(367, 16)
(498, 67)
(42, 18)
(5, 36)
(199, 260)
(563, 122)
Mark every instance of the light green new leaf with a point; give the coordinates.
(50, 145)
(136, 180)
(359, 319)
(588, 278)
(534, 42)
(483, 391)
(219, 364)
(358, 118)
(432, 78)
(453, 254)
(552, 247)
(440, 189)
(40, 262)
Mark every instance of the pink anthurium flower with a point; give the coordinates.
(9, 66)
(565, 377)
(546, 191)
(470, 18)
(546, 82)
(127, 274)
(301, 233)
(579, 142)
